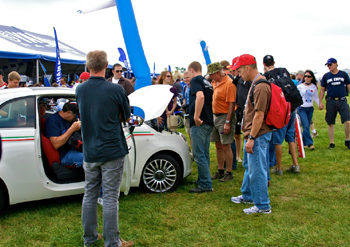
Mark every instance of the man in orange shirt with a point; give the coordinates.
(224, 99)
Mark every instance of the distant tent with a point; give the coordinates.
(22, 51)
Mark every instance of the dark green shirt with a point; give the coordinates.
(100, 104)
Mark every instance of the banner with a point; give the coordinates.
(124, 60)
(58, 71)
(154, 70)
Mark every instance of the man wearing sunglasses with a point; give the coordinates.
(119, 79)
(336, 82)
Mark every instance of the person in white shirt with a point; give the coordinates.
(308, 90)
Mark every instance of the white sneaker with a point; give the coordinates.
(254, 210)
(239, 199)
(100, 201)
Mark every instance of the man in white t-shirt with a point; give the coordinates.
(2, 83)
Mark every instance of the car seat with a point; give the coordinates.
(63, 173)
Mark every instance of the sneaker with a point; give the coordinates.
(313, 135)
(125, 243)
(277, 172)
(239, 199)
(294, 169)
(200, 190)
(331, 146)
(239, 160)
(227, 177)
(312, 147)
(217, 175)
(100, 201)
(254, 210)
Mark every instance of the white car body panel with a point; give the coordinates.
(21, 166)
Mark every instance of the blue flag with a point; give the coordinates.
(169, 68)
(154, 70)
(58, 70)
(123, 59)
(205, 52)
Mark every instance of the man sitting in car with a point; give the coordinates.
(59, 128)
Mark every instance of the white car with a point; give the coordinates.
(30, 169)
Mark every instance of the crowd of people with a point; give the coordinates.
(230, 101)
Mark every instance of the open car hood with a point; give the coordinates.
(150, 102)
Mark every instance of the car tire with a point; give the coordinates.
(162, 173)
(180, 120)
(2, 200)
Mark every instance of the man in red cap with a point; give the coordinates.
(257, 136)
(82, 78)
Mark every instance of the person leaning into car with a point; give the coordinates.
(104, 148)
(59, 128)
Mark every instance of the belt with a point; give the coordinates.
(219, 114)
(337, 98)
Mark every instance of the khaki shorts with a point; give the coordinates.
(217, 135)
(187, 124)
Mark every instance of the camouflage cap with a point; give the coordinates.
(213, 68)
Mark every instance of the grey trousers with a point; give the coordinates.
(108, 174)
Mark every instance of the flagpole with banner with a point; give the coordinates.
(154, 70)
(124, 60)
(58, 69)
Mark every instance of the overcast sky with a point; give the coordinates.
(299, 34)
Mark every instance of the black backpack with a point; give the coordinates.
(288, 87)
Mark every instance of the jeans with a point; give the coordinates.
(306, 114)
(109, 175)
(200, 137)
(73, 157)
(287, 133)
(234, 152)
(254, 186)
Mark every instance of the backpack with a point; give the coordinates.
(279, 111)
(288, 87)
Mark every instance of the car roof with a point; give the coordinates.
(10, 93)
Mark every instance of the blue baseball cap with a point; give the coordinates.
(331, 60)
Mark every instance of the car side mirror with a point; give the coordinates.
(135, 120)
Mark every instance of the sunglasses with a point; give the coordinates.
(168, 76)
(118, 71)
(329, 64)
(308, 76)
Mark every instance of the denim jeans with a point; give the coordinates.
(305, 114)
(109, 175)
(254, 186)
(200, 137)
(234, 152)
(73, 157)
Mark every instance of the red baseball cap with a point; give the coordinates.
(84, 76)
(242, 60)
(233, 63)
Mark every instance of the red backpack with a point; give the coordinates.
(279, 111)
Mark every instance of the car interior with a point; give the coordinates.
(51, 159)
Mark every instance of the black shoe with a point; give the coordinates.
(193, 182)
(347, 143)
(200, 190)
(331, 146)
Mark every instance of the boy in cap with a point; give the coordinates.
(257, 136)
(224, 99)
(335, 82)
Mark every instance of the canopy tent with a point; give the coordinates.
(22, 51)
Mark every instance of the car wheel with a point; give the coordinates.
(180, 120)
(162, 173)
(2, 200)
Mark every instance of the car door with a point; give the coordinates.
(18, 167)
(129, 160)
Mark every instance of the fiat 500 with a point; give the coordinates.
(30, 167)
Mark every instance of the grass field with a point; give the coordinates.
(308, 209)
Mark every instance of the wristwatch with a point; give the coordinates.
(227, 121)
(251, 137)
